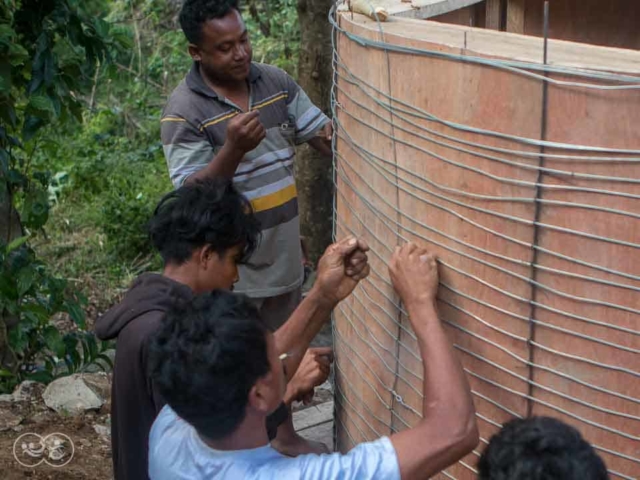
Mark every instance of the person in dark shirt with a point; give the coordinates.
(540, 448)
(203, 231)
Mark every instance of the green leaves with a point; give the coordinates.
(25, 279)
(35, 207)
(17, 243)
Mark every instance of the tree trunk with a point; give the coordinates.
(10, 229)
(314, 176)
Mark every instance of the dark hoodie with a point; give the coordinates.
(134, 400)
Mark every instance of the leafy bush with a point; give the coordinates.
(49, 51)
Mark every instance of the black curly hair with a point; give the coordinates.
(207, 212)
(195, 12)
(206, 357)
(540, 448)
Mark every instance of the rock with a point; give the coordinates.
(8, 419)
(27, 391)
(99, 383)
(6, 398)
(103, 431)
(41, 417)
(84, 443)
(72, 395)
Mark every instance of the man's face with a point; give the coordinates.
(225, 50)
(222, 270)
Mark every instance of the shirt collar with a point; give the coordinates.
(196, 83)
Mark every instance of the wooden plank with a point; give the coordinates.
(511, 45)
(320, 433)
(423, 9)
(612, 23)
(494, 14)
(361, 370)
(420, 169)
(515, 16)
(310, 417)
(512, 104)
(581, 116)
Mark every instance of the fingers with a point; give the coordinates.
(364, 273)
(363, 245)
(258, 132)
(245, 118)
(356, 263)
(328, 131)
(326, 352)
(308, 398)
(253, 123)
(345, 247)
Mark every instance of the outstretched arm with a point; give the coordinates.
(322, 141)
(448, 429)
(340, 269)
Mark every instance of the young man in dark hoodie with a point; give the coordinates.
(203, 230)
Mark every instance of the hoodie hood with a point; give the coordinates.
(149, 292)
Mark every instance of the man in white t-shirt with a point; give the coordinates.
(221, 374)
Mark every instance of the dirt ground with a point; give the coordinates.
(91, 450)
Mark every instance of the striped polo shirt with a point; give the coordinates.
(194, 124)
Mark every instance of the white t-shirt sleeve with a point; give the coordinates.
(177, 453)
(373, 460)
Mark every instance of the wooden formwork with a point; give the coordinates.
(490, 208)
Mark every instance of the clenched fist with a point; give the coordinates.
(340, 269)
(414, 275)
(245, 132)
(313, 371)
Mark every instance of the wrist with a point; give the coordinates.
(323, 299)
(231, 148)
(422, 305)
(291, 394)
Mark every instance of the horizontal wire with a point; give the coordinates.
(519, 220)
(343, 342)
(506, 370)
(541, 367)
(523, 166)
(366, 301)
(422, 114)
(491, 265)
(462, 272)
(488, 230)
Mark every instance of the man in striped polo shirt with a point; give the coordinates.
(234, 118)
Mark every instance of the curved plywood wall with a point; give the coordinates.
(540, 259)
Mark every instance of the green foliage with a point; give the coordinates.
(275, 32)
(31, 295)
(82, 87)
(49, 51)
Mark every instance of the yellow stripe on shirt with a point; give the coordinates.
(218, 120)
(172, 119)
(275, 199)
(269, 102)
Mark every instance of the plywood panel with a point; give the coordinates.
(363, 372)
(515, 16)
(440, 220)
(611, 23)
(407, 170)
(473, 16)
(494, 14)
(583, 117)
